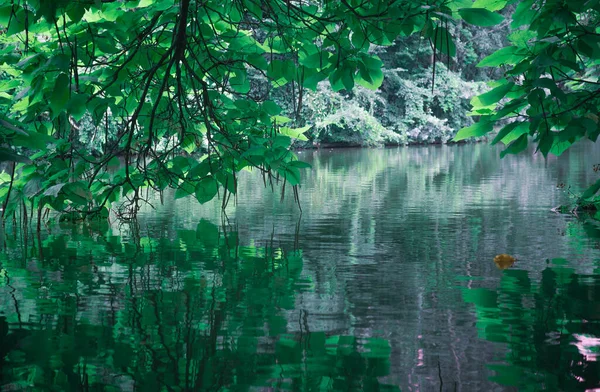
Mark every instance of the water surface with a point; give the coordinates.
(384, 281)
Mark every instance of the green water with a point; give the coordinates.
(385, 281)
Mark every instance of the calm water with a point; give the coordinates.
(385, 281)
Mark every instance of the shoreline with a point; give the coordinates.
(342, 145)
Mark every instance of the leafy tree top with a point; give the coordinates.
(551, 89)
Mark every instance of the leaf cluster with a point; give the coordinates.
(550, 92)
(101, 100)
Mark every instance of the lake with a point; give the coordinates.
(384, 281)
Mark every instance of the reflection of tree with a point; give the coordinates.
(191, 310)
(550, 328)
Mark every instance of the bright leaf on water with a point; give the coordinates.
(504, 261)
(591, 191)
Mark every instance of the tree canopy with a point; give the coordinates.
(102, 99)
(550, 88)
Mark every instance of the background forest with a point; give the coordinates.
(406, 109)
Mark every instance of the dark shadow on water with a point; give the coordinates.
(188, 310)
(385, 281)
(551, 328)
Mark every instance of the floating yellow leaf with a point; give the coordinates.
(504, 261)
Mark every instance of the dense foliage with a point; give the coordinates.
(551, 87)
(551, 78)
(157, 81)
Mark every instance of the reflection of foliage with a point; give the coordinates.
(195, 311)
(341, 363)
(543, 325)
(588, 200)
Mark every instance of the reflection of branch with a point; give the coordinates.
(440, 375)
(12, 180)
(161, 334)
(297, 231)
(12, 294)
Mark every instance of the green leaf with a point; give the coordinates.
(312, 78)
(480, 16)
(189, 143)
(571, 132)
(292, 175)
(206, 190)
(370, 73)
(280, 119)
(300, 164)
(492, 96)
(60, 94)
(33, 185)
(508, 55)
(560, 146)
(77, 106)
(545, 142)
(75, 12)
(77, 192)
(516, 146)
(258, 61)
(443, 41)
(54, 190)
(7, 155)
(375, 76)
(335, 79)
(371, 62)
(490, 5)
(359, 40)
(315, 60)
(296, 133)
(591, 191)
(227, 180)
(185, 189)
(245, 44)
(240, 83)
(271, 108)
(478, 129)
(348, 78)
(281, 72)
(504, 131)
(511, 132)
(524, 14)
